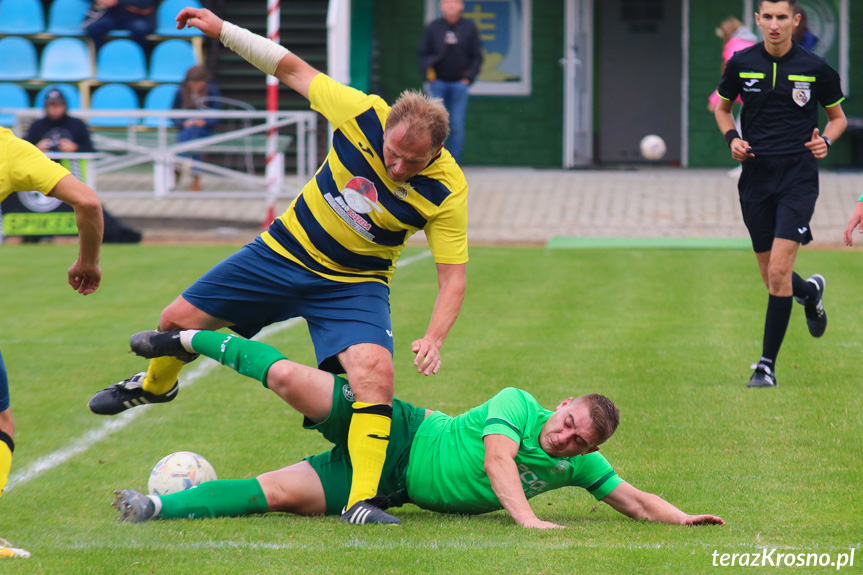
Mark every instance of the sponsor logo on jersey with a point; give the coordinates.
(361, 195)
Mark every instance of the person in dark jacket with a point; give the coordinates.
(58, 131)
(192, 95)
(450, 57)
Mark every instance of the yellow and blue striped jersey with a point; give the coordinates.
(23, 167)
(350, 222)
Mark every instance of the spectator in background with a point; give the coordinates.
(136, 16)
(191, 96)
(450, 58)
(58, 131)
(802, 35)
(735, 36)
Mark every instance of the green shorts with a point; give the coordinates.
(334, 467)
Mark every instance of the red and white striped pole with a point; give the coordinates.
(272, 164)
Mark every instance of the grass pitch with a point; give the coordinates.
(667, 334)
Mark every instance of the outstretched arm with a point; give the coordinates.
(451, 280)
(500, 452)
(262, 53)
(638, 504)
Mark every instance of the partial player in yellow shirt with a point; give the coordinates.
(24, 168)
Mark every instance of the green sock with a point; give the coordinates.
(250, 358)
(226, 498)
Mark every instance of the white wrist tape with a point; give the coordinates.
(260, 52)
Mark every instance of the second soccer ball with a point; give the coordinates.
(652, 147)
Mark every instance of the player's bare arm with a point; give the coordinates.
(500, 452)
(452, 279)
(261, 52)
(725, 120)
(85, 275)
(836, 124)
(855, 222)
(639, 504)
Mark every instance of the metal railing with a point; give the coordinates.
(135, 145)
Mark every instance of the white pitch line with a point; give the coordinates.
(120, 421)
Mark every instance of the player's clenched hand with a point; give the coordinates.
(200, 18)
(85, 278)
(428, 358)
(817, 145)
(855, 221)
(740, 150)
(537, 523)
(703, 520)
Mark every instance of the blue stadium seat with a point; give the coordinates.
(70, 92)
(121, 61)
(12, 96)
(114, 97)
(21, 17)
(66, 60)
(65, 17)
(166, 14)
(170, 60)
(17, 59)
(160, 98)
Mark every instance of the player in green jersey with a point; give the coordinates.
(496, 455)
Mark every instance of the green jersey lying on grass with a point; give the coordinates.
(496, 455)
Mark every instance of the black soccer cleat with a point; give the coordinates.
(152, 343)
(763, 376)
(364, 513)
(126, 395)
(816, 317)
(133, 506)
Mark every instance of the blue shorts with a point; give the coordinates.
(257, 287)
(777, 198)
(4, 386)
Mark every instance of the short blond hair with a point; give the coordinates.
(422, 112)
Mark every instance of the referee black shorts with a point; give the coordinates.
(777, 197)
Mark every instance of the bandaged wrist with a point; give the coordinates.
(260, 52)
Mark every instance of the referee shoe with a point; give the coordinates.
(816, 317)
(364, 513)
(126, 395)
(763, 376)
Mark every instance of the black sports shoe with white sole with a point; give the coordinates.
(816, 317)
(364, 513)
(152, 343)
(126, 395)
(763, 376)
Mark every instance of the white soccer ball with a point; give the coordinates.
(179, 471)
(652, 147)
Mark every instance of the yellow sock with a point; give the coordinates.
(368, 438)
(6, 448)
(162, 375)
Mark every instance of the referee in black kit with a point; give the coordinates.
(781, 85)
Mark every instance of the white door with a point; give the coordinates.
(577, 64)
